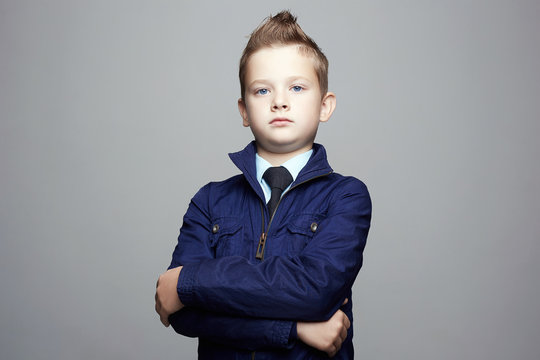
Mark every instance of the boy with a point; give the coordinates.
(265, 261)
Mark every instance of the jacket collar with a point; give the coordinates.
(317, 165)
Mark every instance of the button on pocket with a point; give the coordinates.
(302, 228)
(226, 237)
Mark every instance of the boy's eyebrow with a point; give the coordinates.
(289, 79)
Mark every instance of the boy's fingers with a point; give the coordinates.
(162, 315)
(347, 322)
(346, 301)
(343, 334)
(332, 351)
(337, 346)
(158, 305)
(164, 321)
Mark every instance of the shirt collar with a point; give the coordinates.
(245, 160)
(293, 165)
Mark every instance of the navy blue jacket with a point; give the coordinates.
(248, 277)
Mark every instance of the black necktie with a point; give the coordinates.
(278, 178)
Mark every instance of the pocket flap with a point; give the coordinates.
(305, 224)
(224, 226)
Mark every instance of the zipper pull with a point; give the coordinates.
(260, 247)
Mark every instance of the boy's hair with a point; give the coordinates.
(282, 29)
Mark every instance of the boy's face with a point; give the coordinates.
(282, 103)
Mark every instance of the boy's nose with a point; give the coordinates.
(280, 106)
(279, 103)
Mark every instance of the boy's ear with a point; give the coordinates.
(243, 112)
(328, 104)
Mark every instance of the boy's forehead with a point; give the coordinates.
(284, 60)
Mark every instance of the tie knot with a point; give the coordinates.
(278, 177)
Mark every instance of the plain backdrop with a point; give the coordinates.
(114, 113)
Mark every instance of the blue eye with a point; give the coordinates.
(262, 91)
(297, 88)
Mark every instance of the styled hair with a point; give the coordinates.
(282, 30)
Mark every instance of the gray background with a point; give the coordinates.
(114, 113)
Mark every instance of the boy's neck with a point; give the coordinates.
(277, 159)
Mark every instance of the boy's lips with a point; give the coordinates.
(280, 122)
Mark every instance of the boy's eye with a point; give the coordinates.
(297, 88)
(262, 91)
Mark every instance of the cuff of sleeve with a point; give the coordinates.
(186, 284)
(282, 334)
(293, 334)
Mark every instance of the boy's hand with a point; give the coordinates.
(167, 300)
(327, 335)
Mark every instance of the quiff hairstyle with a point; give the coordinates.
(282, 30)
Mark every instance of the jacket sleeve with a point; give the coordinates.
(307, 287)
(241, 332)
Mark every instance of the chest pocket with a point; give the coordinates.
(226, 236)
(301, 230)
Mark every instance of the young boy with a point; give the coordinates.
(265, 261)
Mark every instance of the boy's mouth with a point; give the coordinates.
(280, 122)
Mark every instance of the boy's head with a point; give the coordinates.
(284, 81)
(280, 30)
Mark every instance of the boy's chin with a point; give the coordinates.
(284, 148)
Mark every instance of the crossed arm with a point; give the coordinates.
(326, 268)
(248, 333)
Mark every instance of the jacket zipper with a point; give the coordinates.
(262, 240)
(260, 250)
